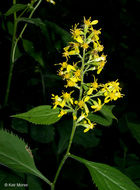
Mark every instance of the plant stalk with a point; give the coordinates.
(65, 156)
(43, 85)
(82, 75)
(11, 57)
(13, 49)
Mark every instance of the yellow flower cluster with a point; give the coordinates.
(89, 57)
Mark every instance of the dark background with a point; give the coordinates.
(116, 145)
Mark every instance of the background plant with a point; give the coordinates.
(121, 153)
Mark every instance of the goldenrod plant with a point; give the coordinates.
(90, 59)
(82, 97)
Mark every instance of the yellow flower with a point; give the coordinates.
(89, 22)
(62, 112)
(114, 85)
(111, 91)
(97, 106)
(88, 125)
(85, 122)
(94, 86)
(74, 79)
(112, 96)
(70, 67)
(83, 105)
(76, 33)
(67, 97)
(67, 76)
(97, 45)
(60, 73)
(51, 1)
(77, 73)
(95, 36)
(66, 52)
(100, 66)
(63, 65)
(70, 83)
(57, 101)
(85, 45)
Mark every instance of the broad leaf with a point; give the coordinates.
(107, 111)
(100, 119)
(105, 118)
(87, 140)
(15, 154)
(29, 48)
(15, 8)
(35, 21)
(135, 130)
(42, 115)
(106, 177)
(64, 131)
(66, 37)
(133, 171)
(42, 133)
(19, 125)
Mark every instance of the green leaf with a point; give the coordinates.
(20, 125)
(42, 133)
(42, 115)
(15, 8)
(87, 140)
(64, 130)
(57, 31)
(35, 21)
(133, 171)
(10, 27)
(105, 118)
(100, 119)
(107, 111)
(106, 177)
(15, 154)
(18, 54)
(135, 130)
(29, 48)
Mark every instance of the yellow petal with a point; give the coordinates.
(90, 91)
(94, 22)
(86, 98)
(70, 67)
(79, 39)
(86, 130)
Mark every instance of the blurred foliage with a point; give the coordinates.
(35, 78)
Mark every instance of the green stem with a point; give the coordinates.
(30, 16)
(43, 85)
(65, 156)
(82, 69)
(82, 75)
(13, 49)
(11, 57)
